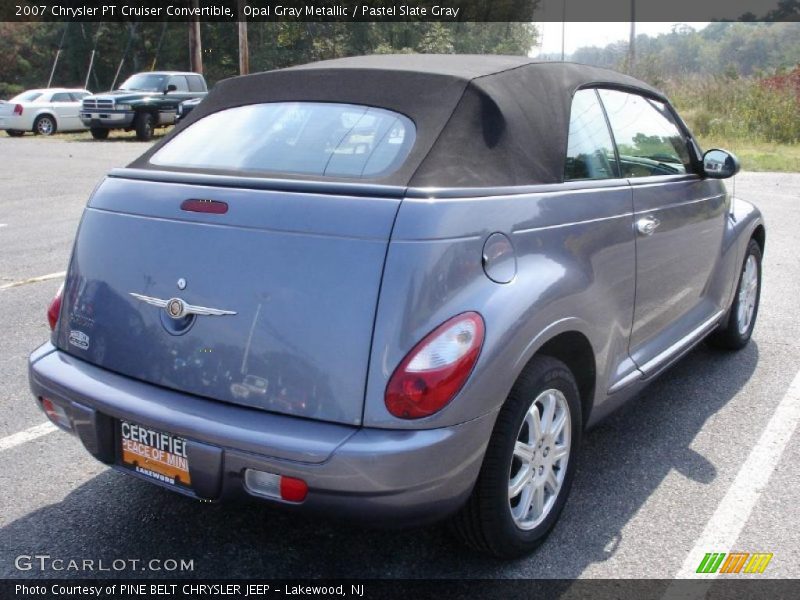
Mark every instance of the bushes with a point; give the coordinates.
(738, 108)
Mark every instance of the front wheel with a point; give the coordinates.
(735, 333)
(144, 125)
(529, 464)
(99, 133)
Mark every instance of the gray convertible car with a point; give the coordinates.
(396, 288)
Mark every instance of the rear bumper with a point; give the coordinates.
(16, 123)
(107, 119)
(391, 477)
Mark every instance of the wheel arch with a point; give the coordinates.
(568, 342)
(44, 113)
(760, 236)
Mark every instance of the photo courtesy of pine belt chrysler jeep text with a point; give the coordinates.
(396, 288)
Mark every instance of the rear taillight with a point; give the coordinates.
(436, 368)
(56, 413)
(55, 308)
(271, 485)
(18, 109)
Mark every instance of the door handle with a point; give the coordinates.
(647, 225)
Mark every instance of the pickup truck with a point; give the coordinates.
(142, 103)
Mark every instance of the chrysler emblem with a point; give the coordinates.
(177, 308)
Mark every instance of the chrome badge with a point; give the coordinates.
(177, 308)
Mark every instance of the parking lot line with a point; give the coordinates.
(731, 515)
(15, 439)
(33, 280)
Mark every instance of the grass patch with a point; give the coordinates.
(758, 156)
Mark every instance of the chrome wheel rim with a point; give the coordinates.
(45, 126)
(748, 295)
(539, 463)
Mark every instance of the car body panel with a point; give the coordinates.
(304, 291)
(576, 266)
(674, 290)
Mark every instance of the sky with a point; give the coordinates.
(594, 34)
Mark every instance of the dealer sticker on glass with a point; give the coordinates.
(160, 456)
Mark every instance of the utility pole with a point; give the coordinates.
(632, 41)
(563, 28)
(244, 50)
(195, 43)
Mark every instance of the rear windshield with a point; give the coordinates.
(26, 97)
(304, 138)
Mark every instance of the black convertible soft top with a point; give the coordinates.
(481, 120)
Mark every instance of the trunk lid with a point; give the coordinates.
(296, 275)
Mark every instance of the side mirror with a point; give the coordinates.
(720, 164)
(170, 88)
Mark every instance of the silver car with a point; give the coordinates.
(396, 288)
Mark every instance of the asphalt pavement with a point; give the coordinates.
(656, 481)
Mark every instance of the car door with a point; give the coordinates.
(60, 103)
(591, 162)
(679, 220)
(174, 98)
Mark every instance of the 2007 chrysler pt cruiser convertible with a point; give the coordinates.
(397, 288)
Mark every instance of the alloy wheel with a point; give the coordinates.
(748, 294)
(539, 462)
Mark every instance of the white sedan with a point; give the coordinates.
(43, 111)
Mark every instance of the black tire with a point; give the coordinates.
(44, 125)
(99, 133)
(733, 334)
(144, 125)
(485, 523)
(14, 133)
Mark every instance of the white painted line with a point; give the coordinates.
(27, 435)
(3, 224)
(34, 280)
(731, 515)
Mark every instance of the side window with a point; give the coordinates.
(179, 81)
(648, 140)
(590, 151)
(61, 97)
(78, 96)
(195, 84)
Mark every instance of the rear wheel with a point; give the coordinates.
(44, 125)
(144, 125)
(99, 133)
(14, 133)
(529, 464)
(735, 333)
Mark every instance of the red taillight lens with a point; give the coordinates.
(293, 490)
(55, 308)
(436, 368)
(18, 109)
(56, 413)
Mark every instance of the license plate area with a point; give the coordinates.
(154, 454)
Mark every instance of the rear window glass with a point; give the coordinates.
(304, 138)
(26, 97)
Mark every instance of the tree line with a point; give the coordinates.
(722, 48)
(120, 49)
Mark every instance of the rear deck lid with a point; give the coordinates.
(263, 298)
